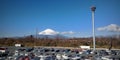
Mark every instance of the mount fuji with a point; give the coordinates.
(49, 33)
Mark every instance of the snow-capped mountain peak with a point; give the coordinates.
(48, 32)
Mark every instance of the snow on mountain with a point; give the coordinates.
(48, 32)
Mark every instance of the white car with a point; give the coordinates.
(59, 56)
(76, 57)
(65, 56)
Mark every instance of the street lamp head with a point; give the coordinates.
(93, 8)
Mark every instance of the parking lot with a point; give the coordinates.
(51, 53)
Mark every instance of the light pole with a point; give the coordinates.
(93, 25)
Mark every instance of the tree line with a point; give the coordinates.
(101, 42)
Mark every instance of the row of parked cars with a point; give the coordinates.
(43, 53)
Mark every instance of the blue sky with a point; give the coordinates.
(22, 17)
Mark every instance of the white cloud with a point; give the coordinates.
(69, 32)
(111, 27)
(48, 32)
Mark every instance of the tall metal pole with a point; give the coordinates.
(36, 37)
(93, 25)
(36, 33)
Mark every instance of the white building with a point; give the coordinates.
(85, 47)
(18, 45)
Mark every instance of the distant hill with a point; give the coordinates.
(52, 36)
